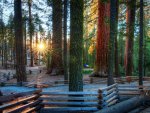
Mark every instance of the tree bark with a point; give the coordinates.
(141, 57)
(65, 41)
(113, 29)
(30, 31)
(25, 37)
(56, 61)
(130, 18)
(103, 33)
(76, 45)
(36, 53)
(116, 43)
(20, 62)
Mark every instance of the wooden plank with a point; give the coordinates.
(110, 95)
(8, 98)
(129, 93)
(71, 103)
(112, 102)
(23, 107)
(112, 98)
(135, 86)
(5, 106)
(106, 97)
(52, 109)
(129, 89)
(55, 98)
(69, 93)
(109, 87)
(104, 93)
(31, 110)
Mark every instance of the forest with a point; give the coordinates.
(74, 56)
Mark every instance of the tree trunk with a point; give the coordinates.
(56, 61)
(2, 44)
(20, 64)
(141, 57)
(113, 29)
(5, 51)
(116, 43)
(103, 32)
(30, 31)
(130, 18)
(76, 45)
(65, 41)
(36, 53)
(25, 37)
(49, 52)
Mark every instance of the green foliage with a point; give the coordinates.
(87, 71)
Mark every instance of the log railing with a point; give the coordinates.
(20, 102)
(69, 101)
(108, 96)
(79, 101)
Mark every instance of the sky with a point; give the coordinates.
(44, 14)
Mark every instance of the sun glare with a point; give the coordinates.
(41, 47)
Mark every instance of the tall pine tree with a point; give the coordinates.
(141, 57)
(20, 62)
(56, 61)
(76, 45)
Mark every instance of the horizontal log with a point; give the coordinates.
(71, 103)
(69, 93)
(112, 102)
(107, 97)
(138, 110)
(147, 110)
(104, 93)
(135, 86)
(112, 98)
(61, 109)
(109, 87)
(53, 98)
(20, 101)
(125, 106)
(23, 107)
(129, 93)
(129, 89)
(36, 108)
(11, 97)
(110, 95)
(107, 104)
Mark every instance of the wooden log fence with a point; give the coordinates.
(108, 96)
(20, 102)
(59, 101)
(69, 101)
(79, 101)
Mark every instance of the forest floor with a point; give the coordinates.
(55, 83)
